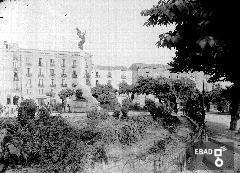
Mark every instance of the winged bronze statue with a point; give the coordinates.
(81, 35)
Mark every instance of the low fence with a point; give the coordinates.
(174, 159)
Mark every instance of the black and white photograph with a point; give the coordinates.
(119, 86)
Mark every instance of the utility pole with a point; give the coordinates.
(21, 78)
(203, 109)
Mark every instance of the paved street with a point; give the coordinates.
(218, 133)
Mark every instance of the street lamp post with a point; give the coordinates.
(203, 110)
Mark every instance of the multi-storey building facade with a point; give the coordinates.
(30, 73)
(156, 70)
(111, 75)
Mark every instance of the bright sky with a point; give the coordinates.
(115, 31)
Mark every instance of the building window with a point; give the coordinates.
(40, 83)
(29, 83)
(97, 75)
(52, 72)
(64, 83)
(16, 87)
(51, 62)
(40, 74)
(15, 66)
(28, 72)
(63, 73)
(40, 91)
(109, 82)
(15, 76)
(52, 81)
(123, 76)
(74, 63)
(109, 74)
(63, 63)
(40, 62)
(8, 100)
(74, 74)
(97, 82)
(28, 61)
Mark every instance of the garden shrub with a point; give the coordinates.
(95, 114)
(150, 106)
(136, 106)
(125, 107)
(78, 94)
(117, 113)
(26, 111)
(52, 144)
(222, 106)
(58, 107)
(1, 108)
(194, 109)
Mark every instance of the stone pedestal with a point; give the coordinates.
(78, 106)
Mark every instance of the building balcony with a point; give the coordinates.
(52, 65)
(123, 77)
(40, 85)
(15, 68)
(53, 85)
(74, 66)
(29, 86)
(17, 89)
(40, 64)
(63, 75)
(64, 85)
(15, 79)
(109, 76)
(52, 75)
(15, 58)
(74, 76)
(97, 76)
(74, 85)
(29, 74)
(63, 65)
(40, 75)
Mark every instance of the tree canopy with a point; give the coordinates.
(105, 95)
(205, 39)
(204, 35)
(164, 88)
(64, 93)
(124, 88)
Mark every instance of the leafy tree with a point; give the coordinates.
(64, 94)
(124, 88)
(203, 39)
(26, 112)
(50, 94)
(79, 94)
(105, 95)
(220, 96)
(165, 89)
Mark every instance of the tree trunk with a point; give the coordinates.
(235, 107)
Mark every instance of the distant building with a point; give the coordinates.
(31, 73)
(111, 75)
(157, 70)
